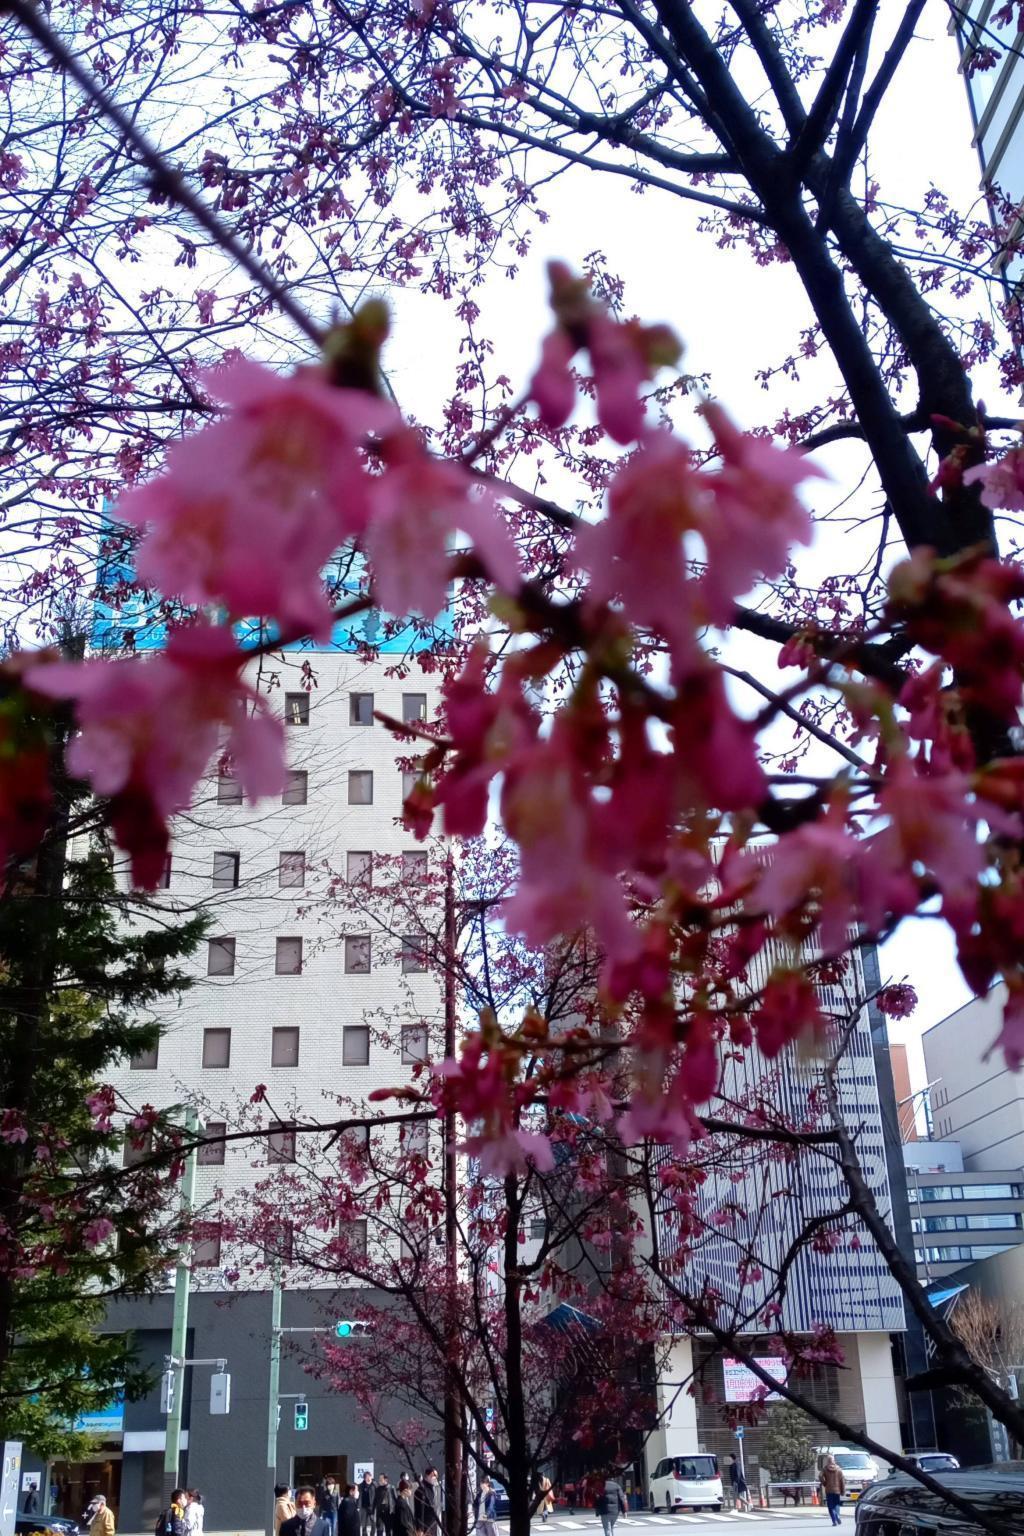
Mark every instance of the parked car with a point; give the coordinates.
(858, 1468)
(931, 1461)
(681, 1482)
(37, 1525)
(899, 1506)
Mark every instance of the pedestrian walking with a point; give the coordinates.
(487, 1508)
(610, 1504)
(738, 1482)
(383, 1506)
(404, 1513)
(307, 1519)
(427, 1503)
(328, 1499)
(195, 1515)
(284, 1506)
(170, 1523)
(31, 1502)
(833, 1486)
(350, 1511)
(366, 1505)
(99, 1518)
(547, 1499)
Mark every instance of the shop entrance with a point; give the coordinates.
(73, 1483)
(307, 1471)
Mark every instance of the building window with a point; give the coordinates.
(357, 954)
(216, 1047)
(146, 1059)
(206, 1248)
(288, 957)
(360, 787)
(414, 1043)
(355, 1236)
(220, 957)
(414, 707)
(291, 869)
(281, 1142)
(359, 868)
(406, 1249)
(414, 953)
(280, 1249)
(414, 867)
(296, 787)
(360, 709)
(538, 1229)
(211, 1155)
(355, 1045)
(225, 871)
(410, 778)
(296, 709)
(137, 1148)
(165, 874)
(284, 1048)
(417, 1137)
(229, 790)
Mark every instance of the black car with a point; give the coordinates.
(37, 1525)
(899, 1506)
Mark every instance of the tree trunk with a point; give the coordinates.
(517, 1459)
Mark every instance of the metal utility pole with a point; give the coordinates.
(179, 1326)
(455, 1512)
(274, 1398)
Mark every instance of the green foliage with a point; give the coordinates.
(787, 1442)
(81, 966)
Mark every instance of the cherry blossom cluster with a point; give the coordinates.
(638, 804)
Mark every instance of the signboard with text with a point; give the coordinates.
(742, 1385)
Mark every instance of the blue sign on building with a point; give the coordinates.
(102, 1422)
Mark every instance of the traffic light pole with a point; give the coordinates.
(179, 1326)
(274, 1398)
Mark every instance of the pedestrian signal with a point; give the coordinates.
(301, 1415)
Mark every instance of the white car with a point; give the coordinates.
(860, 1471)
(681, 1482)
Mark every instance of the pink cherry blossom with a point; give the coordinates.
(553, 386)
(818, 863)
(97, 1231)
(1002, 481)
(754, 518)
(416, 506)
(932, 825)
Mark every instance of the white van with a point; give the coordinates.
(859, 1470)
(680, 1482)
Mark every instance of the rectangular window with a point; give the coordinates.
(229, 790)
(360, 709)
(220, 957)
(288, 957)
(355, 1045)
(410, 778)
(359, 868)
(414, 953)
(414, 707)
(165, 874)
(406, 1249)
(538, 1228)
(360, 787)
(225, 871)
(355, 1236)
(212, 1155)
(281, 1142)
(216, 1047)
(296, 787)
(136, 1148)
(284, 1048)
(414, 1043)
(414, 867)
(280, 1249)
(291, 869)
(146, 1059)
(206, 1249)
(417, 1137)
(296, 709)
(357, 954)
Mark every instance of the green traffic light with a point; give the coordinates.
(343, 1330)
(301, 1415)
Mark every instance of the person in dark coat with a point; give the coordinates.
(428, 1503)
(350, 1513)
(404, 1521)
(328, 1498)
(383, 1506)
(366, 1492)
(306, 1520)
(610, 1504)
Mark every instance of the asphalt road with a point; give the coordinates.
(788, 1522)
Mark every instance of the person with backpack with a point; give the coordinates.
(487, 1508)
(610, 1504)
(172, 1521)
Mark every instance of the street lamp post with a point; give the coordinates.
(179, 1325)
